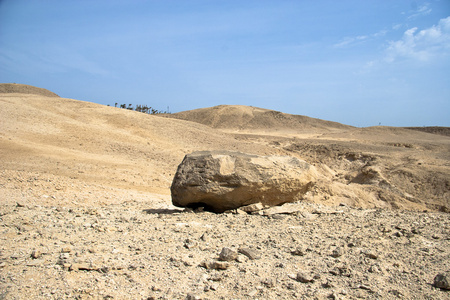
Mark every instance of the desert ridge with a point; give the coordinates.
(242, 119)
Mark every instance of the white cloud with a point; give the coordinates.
(397, 26)
(345, 42)
(380, 33)
(351, 41)
(422, 45)
(422, 10)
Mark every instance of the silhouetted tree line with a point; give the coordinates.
(142, 108)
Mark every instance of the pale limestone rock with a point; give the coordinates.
(223, 180)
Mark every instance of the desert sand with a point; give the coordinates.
(86, 210)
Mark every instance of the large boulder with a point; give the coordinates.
(223, 180)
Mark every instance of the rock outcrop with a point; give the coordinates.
(223, 180)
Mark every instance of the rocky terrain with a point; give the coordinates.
(142, 249)
(86, 209)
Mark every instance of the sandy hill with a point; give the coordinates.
(65, 144)
(97, 144)
(253, 119)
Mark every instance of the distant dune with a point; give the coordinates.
(25, 89)
(248, 118)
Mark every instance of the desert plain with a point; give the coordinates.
(86, 211)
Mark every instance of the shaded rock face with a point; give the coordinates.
(223, 180)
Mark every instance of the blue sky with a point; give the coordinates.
(360, 62)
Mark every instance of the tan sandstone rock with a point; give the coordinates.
(223, 180)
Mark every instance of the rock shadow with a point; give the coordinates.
(163, 211)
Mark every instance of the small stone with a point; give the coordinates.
(189, 244)
(290, 286)
(397, 234)
(300, 251)
(374, 269)
(242, 259)
(337, 252)
(66, 250)
(82, 267)
(188, 262)
(341, 270)
(252, 207)
(269, 282)
(285, 209)
(228, 254)
(36, 254)
(442, 281)
(220, 265)
(328, 284)
(364, 287)
(87, 225)
(74, 267)
(250, 253)
(215, 277)
(216, 265)
(395, 293)
(415, 231)
(191, 296)
(253, 293)
(64, 256)
(371, 255)
(304, 278)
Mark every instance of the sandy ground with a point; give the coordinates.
(86, 210)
